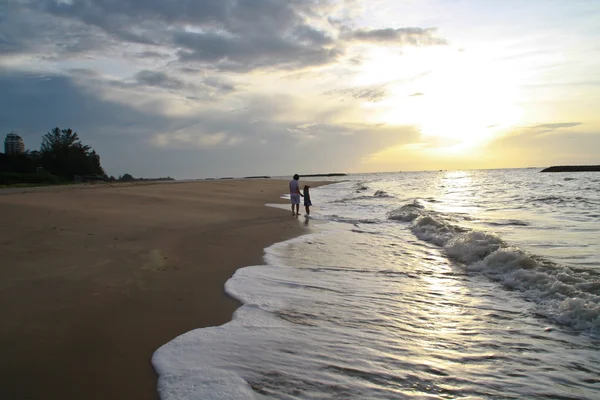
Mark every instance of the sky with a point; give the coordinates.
(211, 88)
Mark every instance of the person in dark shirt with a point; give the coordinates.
(307, 202)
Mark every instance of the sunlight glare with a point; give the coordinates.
(446, 93)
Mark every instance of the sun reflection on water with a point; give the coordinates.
(457, 192)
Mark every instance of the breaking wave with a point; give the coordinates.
(563, 294)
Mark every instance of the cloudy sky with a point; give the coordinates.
(200, 88)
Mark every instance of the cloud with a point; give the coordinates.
(558, 125)
(226, 35)
(249, 52)
(550, 128)
(416, 94)
(36, 102)
(159, 79)
(304, 132)
(24, 29)
(208, 88)
(197, 140)
(370, 94)
(143, 79)
(238, 35)
(153, 54)
(400, 36)
(261, 137)
(542, 130)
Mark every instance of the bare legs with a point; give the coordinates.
(297, 212)
(307, 210)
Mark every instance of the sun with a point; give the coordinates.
(463, 99)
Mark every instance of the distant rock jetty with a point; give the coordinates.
(321, 175)
(572, 168)
(257, 177)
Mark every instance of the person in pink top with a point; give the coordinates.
(295, 194)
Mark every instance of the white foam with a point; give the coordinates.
(201, 363)
(560, 292)
(472, 246)
(184, 374)
(562, 295)
(408, 212)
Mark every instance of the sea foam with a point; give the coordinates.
(562, 293)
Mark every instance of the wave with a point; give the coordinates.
(353, 221)
(549, 200)
(508, 222)
(360, 187)
(407, 212)
(377, 195)
(562, 200)
(350, 199)
(567, 296)
(382, 193)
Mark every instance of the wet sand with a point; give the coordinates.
(94, 279)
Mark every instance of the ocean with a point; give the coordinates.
(414, 285)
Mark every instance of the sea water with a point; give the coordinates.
(449, 284)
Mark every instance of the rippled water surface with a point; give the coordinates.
(474, 284)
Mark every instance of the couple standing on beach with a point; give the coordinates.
(295, 196)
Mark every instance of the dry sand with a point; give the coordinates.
(94, 279)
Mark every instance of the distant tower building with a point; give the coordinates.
(13, 144)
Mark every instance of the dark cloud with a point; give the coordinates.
(24, 30)
(197, 89)
(153, 55)
(84, 73)
(219, 84)
(400, 36)
(100, 12)
(248, 52)
(238, 35)
(191, 71)
(160, 79)
(36, 102)
(232, 35)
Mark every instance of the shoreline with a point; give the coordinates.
(94, 281)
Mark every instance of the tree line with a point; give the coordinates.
(62, 157)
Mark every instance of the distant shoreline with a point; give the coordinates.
(572, 168)
(322, 175)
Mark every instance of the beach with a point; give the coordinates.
(95, 278)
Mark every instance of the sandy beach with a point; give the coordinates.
(94, 279)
